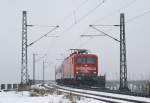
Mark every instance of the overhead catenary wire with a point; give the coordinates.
(84, 16)
(91, 11)
(39, 59)
(114, 12)
(76, 21)
(91, 37)
(85, 42)
(84, 2)
(78, 39)
(131, 19)
(138, 16)
(76, 9)
(72, 12)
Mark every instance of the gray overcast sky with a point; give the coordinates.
(74, 16)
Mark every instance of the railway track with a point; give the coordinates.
(102, 96)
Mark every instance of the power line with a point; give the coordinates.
(117, 10)
(84, 2)
(92, 10)
(72, 12)
(39, 59)
(84, 33)
(85, 42)
(138, 16)
(84, 16)
(114, 12)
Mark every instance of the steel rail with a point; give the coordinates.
(111, 99)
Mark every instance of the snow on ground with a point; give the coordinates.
(24, 97)
(110, 94)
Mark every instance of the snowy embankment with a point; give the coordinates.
(25, 97)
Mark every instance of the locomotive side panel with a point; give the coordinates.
(68, 69)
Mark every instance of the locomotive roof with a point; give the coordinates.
(79, 52)
(84, 55)
(76, 54)
(81, 55)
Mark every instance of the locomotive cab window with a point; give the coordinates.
(86, 60)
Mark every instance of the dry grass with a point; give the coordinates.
(72, 97)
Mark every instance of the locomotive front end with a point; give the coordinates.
(86, 66)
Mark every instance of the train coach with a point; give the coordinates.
(80, 68)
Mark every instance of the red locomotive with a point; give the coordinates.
(80, 68)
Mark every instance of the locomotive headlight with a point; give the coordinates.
(94, 72)
(77, 72)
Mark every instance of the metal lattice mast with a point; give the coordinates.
(123, 62)
(24, 70)
(122, 41)
(43, 71)
(33, 68)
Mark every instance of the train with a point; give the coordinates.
(80, 69)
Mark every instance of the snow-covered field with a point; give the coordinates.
(24, 97)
